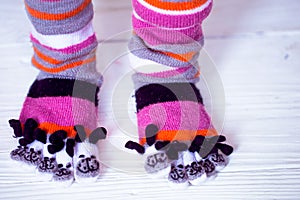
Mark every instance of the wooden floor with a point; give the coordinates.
(250, 68)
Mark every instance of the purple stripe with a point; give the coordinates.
(183, 36)
(63, 111)
(170, 21)
(178, 115)
(70, 49)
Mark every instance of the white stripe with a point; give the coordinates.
(172, 12)
(146, 66)
(64, 40)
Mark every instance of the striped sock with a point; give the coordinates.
(60, 109)
(170, 111)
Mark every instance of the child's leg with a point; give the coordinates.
(170, 111)
(58, 121)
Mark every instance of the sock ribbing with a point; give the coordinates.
(169, 32)
(64, 41)
(63, 17)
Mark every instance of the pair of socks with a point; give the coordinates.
(57, 129)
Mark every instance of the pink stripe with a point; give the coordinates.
(170, 21)
(183, 36)
(63, 111)
(70, 49)
(170, 73)
(179, 115)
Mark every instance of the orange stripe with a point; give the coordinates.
(60, 16)
(181, 135)
(51, 128)
(46, 58)
(176, 5)
(64, 67)
(182, 57)
(197, 74)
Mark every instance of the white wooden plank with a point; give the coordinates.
(255, 47)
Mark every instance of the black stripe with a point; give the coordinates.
(166, 92)
(53, 87)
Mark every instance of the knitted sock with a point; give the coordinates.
(169, 34)
(65, 94)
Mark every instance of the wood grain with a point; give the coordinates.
(255, 47)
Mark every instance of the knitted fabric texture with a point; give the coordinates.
(60, 111)
(175, 132)
(170, 33)
(64, 44)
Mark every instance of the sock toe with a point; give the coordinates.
(87, 165)
(194, 170)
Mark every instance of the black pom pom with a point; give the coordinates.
(161, 145)
(55, 148)
(221, 138)
(57, 137)
(214, 150)
(196, 143)
(29, 127)
(23, 142)
(40, 135)
(151, 132)
(225, 148)
(16, 125)
(97, 134)
(81, 134)
(135, 146)
(70, 147)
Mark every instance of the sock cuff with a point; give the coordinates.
(169, 32)
(172, 14)
(177, 5)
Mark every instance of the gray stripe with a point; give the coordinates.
(138, 48)
(69, 25)
(178, 49)
(85, 72)
(54, 7)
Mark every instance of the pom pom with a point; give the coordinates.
(151, 132)
(97, 134)
(135, 146)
